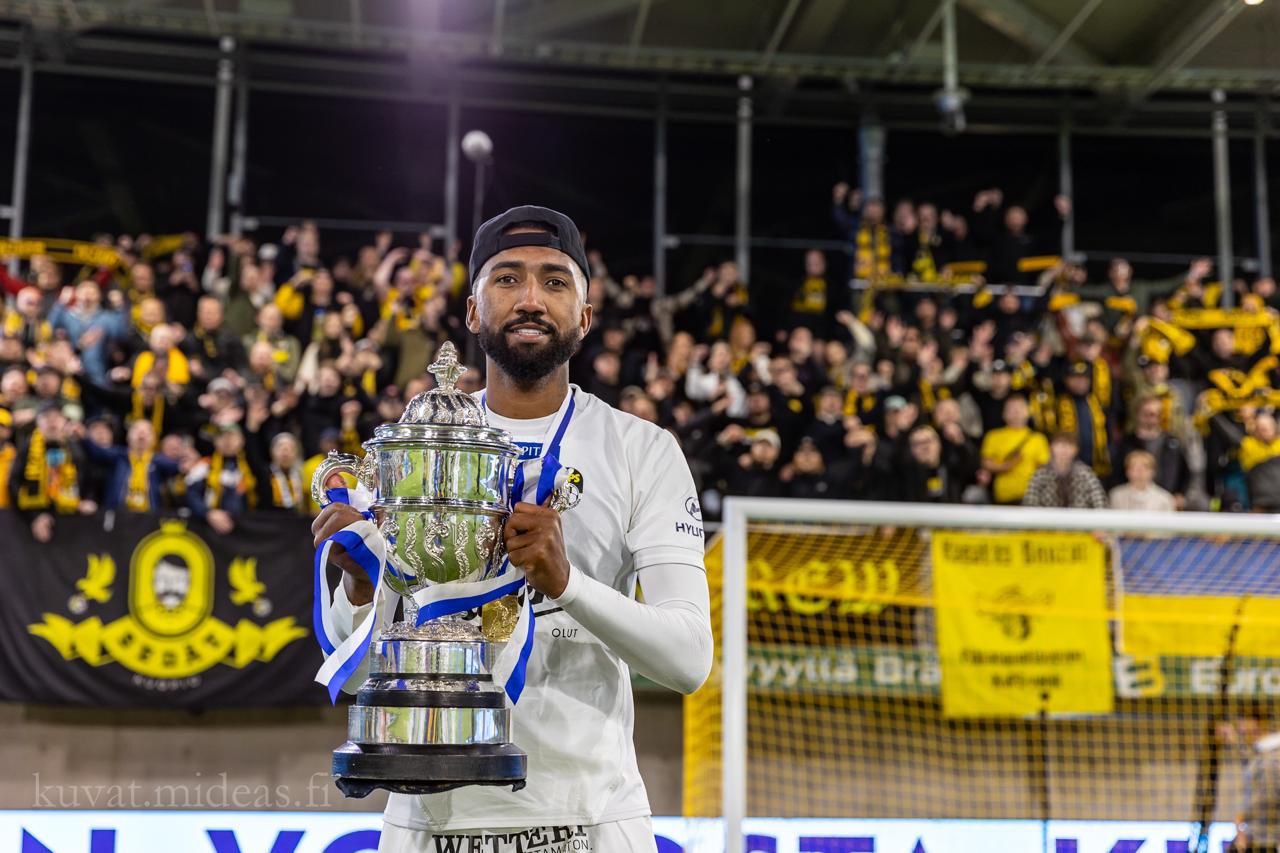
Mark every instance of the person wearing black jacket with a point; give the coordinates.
(810, 476)
(1171, 470)
(47, 477)
(211, 348)
(927, 477)
(1006, 237)
(755, 473)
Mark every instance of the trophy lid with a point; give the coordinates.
(445, 404)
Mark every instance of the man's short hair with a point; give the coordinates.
(1139, 456)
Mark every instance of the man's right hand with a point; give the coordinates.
(355, 582)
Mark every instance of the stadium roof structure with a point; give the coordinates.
(1117, 66)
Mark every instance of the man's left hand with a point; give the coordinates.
(535, 545)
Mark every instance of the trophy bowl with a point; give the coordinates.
(429, 717)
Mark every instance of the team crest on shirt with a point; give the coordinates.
(567, 495)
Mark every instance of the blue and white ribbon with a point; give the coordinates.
(364, 544)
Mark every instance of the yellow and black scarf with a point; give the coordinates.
(872, 252)
(923, 266)
(32, 335)
(286, 488)
(1102, 381)
(812, 297)
(246, 485)
(138, 412)
(48, 487)
(930, 394)
(859, 404)
(1067, 423)
(137, 496)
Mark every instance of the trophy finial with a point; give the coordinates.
(446, 368)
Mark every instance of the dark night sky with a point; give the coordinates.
(111, 155)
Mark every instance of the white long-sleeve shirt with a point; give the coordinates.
(636, 518)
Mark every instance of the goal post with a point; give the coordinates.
(1069, 664)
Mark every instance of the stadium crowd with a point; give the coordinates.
(211, 379)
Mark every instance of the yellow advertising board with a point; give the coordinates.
(1022, 624)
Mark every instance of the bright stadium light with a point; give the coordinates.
(478, 147)
(1253, 2)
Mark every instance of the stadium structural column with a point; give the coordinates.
(871, 142)
(1261, 201)
(660, 191)
(733, 674)
(221, 138)
(1065, 186)
(22, 146)
(452, 148)
(1222, 198)
(239, 148)
(742, 218)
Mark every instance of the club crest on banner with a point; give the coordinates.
(170, 631)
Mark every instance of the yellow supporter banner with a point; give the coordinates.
(1022, 624)
(1200, 625)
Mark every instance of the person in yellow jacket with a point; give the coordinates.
(1012, 453)
(162, 354)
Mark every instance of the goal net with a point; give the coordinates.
(920, 662)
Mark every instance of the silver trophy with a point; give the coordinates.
(430, 718)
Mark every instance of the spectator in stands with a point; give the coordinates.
(1171, 472)
(827, 428)
(1251, 730)
(211, 348)
(863, 400)
(250, 290)
(93, 329)
(47, 477)
(1260, 459)
(284, 348)
(710, 377)
(181, 290)
(756, 473)
(1140, 491)
(27, 323)
(807, 475)
(927, 478)
(1065, 481)
(222, 485)
(1082, 414)
(862, 224)
(1152, 382)
(135, 473)
(812, 307)
(1011, 454)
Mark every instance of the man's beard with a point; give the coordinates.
(529, 366)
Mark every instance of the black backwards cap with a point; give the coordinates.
(561, 234)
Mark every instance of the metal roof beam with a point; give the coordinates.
(1028, 28)
(779, 32)
(637, 29)
(926, 33)
(812, 26)
(1189, 41)
(1064, 37)
(558, 15)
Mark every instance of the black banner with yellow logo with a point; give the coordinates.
(158, 613)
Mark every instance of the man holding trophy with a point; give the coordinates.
(537, 488)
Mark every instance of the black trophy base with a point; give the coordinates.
(359, 770)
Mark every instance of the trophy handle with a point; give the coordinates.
(339, 463)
